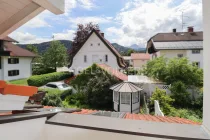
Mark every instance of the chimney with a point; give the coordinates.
(190, 29)
(102, 34)
(174, 30)
(98, 30)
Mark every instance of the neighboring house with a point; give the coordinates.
(178, 44)
(137, 60)
(96, 49)
(15, 62)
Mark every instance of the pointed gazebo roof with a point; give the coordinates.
(125, 87)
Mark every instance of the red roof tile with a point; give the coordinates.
(18, 51)
(140, 56)
(114, 72)
(85, 111)
(159, 119)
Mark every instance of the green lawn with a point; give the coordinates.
(19, 82)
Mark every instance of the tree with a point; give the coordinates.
(95, 82)
(156, 68)
(81, 34)
(130, 51)
(32, 48)
(172, 70)
(55, 56)
(164, 100)
(180, 94)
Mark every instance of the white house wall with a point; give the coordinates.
(186, 53)
(24, 67)
(88, 50)
(195, 57)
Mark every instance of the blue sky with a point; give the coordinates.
(125, 22)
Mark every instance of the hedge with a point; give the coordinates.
(40, 80)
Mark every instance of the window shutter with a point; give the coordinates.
(9, 60)
(17, 60)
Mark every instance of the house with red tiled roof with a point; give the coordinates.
(15, 62)
(96, 49)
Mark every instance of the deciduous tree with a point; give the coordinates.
(55, 56)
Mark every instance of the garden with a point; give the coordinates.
(182, 76)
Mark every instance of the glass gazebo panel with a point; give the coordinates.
(125, 98)
(116, 96)
(135, 97)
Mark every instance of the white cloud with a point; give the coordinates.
(139, 20)
(71, 4)
(67, 35)
(27, 38)
(39, 21)
(87, 4)
(94, 19)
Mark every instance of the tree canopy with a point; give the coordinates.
(55, 56)
(32, 48)
(82, 32)
(172, 70)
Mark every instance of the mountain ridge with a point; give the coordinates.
(42, 47)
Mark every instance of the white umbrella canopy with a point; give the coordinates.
(125, 87)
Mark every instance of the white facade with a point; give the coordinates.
(95, 51)
(24, 66)
(206, 104)
(194, 58)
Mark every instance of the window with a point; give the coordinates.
(195, 51)
(51, 86)
(13, 60)
(85, 58)
(180, 55)
(135, 97)
(99, 44)
(91, 44)
(116, 96)
(106, 58)
(196, 64)
(13, 72)
(125, 98)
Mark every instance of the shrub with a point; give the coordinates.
(77, 99)
(95, 82)
(191, 114)
(52, 100)
(180, 95)
(39, 69)
(40, 80)
(65, 94)
(165, 101)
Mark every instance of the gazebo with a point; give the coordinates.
(126, 97)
